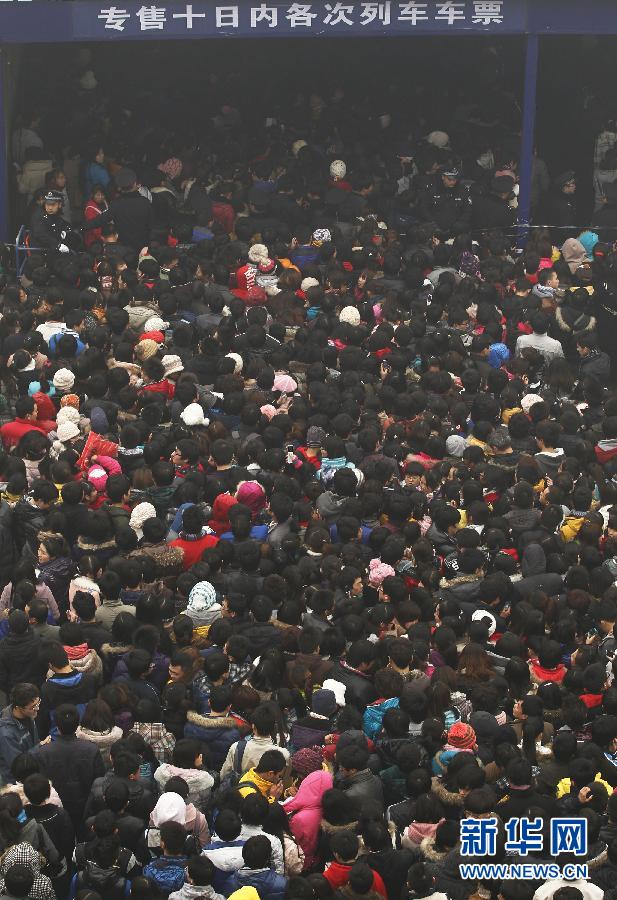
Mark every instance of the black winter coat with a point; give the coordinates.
(73, 764)
(360, 691)
(133, 217)
(19, 660)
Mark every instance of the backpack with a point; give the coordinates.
(192, 847)
(231, 781)
(302, 737)
(111, 883)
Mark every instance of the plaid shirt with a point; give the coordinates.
(25, 855)
(239, 671)
(161, 741)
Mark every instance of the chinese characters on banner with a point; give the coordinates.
(523, 836)
(208, 18)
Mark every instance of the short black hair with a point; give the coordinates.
(18, 880)
(257, 852)
(271, 761)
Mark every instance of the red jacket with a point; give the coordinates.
(161, 387)
(338, 875)
(223, 214)
(194, 549)
(314, 461)
(12, 432)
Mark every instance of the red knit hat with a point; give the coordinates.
(461, 736)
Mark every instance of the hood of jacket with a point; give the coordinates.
(329, 503)
(102, 738)
(245, 893)
(195, 892)
(311, 790)
(195, 778)
(427, 846)
(523, 519)
(62, 566)
(418, 831)
(212, 722)
(534, 561)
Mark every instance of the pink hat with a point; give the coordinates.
(97, 476)
(268, 410)
(284, 382)
(378, 570)
(172, 167)
(251, 494)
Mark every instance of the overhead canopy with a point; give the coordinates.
(29, 21)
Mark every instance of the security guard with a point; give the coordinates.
(448, 203)
(48, 230)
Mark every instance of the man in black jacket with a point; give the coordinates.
(18, 728)
(353, 672)
(594, 363)
(30, 515)
(65, 685)
(131, 213)
(126, 765)
(493, 210)
(74, 764)
(19, 654)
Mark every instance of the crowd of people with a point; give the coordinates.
(308, 523)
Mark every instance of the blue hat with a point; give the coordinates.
(498, 354)
(588, 239)
(35, 386)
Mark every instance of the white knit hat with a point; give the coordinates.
(307, 283)
(141, 513)
(68, 414)
(66, 431)
(201, 598)
(338, 169)
(350, 315)
(238, 361)
(155, 323)
(258, 253)
(529, 400)
(438, 139)
(172, 364)
(193, 415)
(64, 380)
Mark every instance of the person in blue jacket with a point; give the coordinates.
(18, 731)
(257, 870)
(215, 729)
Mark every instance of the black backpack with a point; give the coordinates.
(231, 781)
(111, 882)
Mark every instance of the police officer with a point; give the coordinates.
(448, 203)
(48, 229)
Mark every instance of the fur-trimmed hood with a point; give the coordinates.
(460, 579)
(442, 793)
(579, 322)
(328, 828)
(428, 849)
(210, 721)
